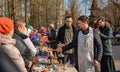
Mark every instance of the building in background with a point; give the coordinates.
(95, 12)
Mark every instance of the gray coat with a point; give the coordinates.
(8, 46)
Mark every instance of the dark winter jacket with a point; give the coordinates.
(106, 35)
(52, 35)
(61, 33)
(52, 38)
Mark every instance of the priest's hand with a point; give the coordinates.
(59, 49)
(95, 62)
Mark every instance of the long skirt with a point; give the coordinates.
(107, 64)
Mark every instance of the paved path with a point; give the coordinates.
(116, 56)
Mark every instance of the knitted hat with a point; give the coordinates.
(29, 26)
(6, 25)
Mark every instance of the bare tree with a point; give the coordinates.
(111, 11)
(73, 10)
(38, 12)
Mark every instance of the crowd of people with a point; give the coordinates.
(82, 46)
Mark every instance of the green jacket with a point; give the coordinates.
(106, 35)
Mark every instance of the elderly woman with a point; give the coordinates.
(7, 43)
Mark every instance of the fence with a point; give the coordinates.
(115, 40)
